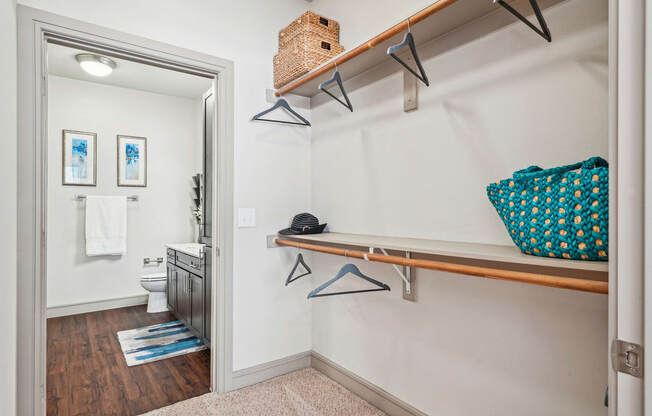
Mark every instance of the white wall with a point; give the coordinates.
(363, 19)
(497, 103)
(163, 213)
(271, 162)
(8, 207)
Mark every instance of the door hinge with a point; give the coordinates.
(627, 357)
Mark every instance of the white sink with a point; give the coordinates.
(191, 249)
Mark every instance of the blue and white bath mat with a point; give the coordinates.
(158, 342)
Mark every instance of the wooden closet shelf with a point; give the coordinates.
(483, 260)
(438, 19)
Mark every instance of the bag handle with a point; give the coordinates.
(536, 171)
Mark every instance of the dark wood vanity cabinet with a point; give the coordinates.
(187, 292)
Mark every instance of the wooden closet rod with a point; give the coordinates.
(398, 28)
(593, 286)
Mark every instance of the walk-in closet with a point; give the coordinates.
(483, 267)
(403, 208)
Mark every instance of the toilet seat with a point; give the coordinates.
(154, 277)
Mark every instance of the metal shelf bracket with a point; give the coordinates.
(406, 275)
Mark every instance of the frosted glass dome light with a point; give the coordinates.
(96, 65)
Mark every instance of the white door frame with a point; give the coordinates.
(647, 393)
(35, 28)
(627, 226)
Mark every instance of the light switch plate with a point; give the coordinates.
(246, 217)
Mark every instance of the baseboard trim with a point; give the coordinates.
(262, 372)
(373, 394)
(100, 305)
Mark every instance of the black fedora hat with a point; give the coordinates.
(304, 223)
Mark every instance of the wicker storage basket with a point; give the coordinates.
(302, 54)
(313, 24)
(560, 212)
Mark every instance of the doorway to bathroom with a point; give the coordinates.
(38, 32)
(129, 171)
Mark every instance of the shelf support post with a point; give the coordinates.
(410, 91)
(409, 287)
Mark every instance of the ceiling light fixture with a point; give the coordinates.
(96, 65)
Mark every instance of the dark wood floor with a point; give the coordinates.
(88, 375)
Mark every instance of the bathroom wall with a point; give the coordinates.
(498, 101)
(163, 213)
(8, 207)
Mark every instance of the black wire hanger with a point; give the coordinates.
(544, 32)
(282, 103)
(337, 78)
(300, 260)
(348, 268)
(408, 40)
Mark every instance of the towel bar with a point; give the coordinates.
(129, 198)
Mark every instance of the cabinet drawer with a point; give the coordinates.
(171, 256)
(190, 263)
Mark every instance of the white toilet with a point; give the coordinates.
(155, 284)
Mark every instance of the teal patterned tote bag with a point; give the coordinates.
(560, 212)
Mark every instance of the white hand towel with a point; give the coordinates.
(106, 225)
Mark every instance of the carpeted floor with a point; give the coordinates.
(305, 392)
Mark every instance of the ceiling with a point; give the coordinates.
(128, 74)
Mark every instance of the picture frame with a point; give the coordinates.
(132, 161)
(78, 158)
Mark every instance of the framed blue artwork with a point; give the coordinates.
(132, 161)
(79, 158)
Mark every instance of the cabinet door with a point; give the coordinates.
(197, 303)
(174, 288)
(178, 283)
(171, 288)
(183, 298)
